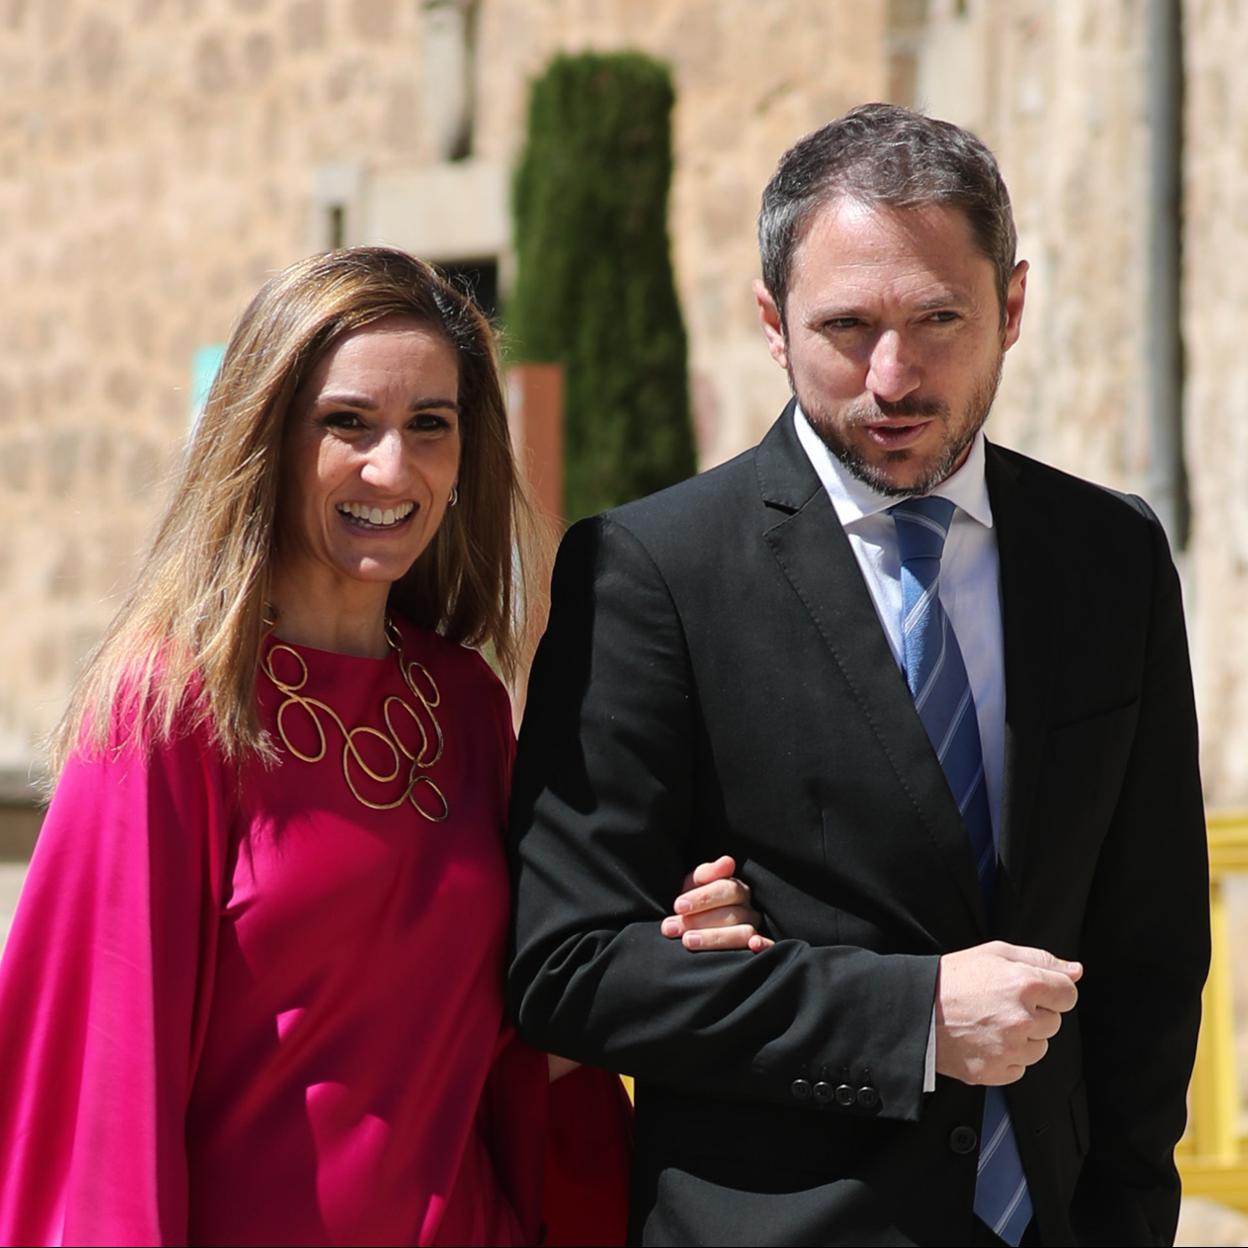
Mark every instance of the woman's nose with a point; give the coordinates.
(386, 467)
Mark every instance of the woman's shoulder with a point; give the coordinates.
(143, 785)
(141, 718)
(463, 678)
(449, 659)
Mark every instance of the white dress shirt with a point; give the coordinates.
(969, 592)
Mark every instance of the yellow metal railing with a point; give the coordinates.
(1213, 1155)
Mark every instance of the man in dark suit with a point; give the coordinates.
(935, 699)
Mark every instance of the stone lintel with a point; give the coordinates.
(453, 211)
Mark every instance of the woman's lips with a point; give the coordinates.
(358, 524)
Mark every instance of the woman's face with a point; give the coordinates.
(370, 457)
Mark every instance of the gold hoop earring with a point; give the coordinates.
(454, 498)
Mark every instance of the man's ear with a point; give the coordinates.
(1015, 296)
(769, 319)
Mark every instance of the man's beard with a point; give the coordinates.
(869, 411)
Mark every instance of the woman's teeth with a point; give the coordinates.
(376, 515)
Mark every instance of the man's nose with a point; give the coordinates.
(386, 466)
(891, 372)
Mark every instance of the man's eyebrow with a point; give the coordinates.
(830, 311)
(944, 299)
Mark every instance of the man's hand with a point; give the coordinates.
(997, 1006)
(713, 911)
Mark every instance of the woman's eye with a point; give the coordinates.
(343, 420)
(430, 422)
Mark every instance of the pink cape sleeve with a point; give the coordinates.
(589, 1152)
(562, 1150)
(105, 976)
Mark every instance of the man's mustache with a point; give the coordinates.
(872, 412)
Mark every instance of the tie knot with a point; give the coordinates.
(922, 526)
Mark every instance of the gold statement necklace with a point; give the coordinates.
(419, 788)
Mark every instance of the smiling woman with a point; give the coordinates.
(370, 462)
(253, 991)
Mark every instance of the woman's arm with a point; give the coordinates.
(102, 989)
(712, 912)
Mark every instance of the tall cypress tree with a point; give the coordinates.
(594, 289)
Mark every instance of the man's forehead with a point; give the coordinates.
(884, 224)
(852, 235)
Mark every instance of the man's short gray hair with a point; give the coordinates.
(885, 154)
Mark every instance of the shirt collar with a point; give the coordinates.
(855, 500)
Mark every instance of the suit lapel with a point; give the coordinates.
(1030, 581)
(807, 540)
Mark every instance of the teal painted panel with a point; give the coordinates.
(204, 365)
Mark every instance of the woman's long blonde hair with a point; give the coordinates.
(188, 636)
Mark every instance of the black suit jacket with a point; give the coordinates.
(714, 679)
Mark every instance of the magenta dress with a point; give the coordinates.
(252, 1007)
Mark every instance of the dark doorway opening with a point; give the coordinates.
(479, 278)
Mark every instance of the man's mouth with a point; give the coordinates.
(366, 517)
(895, 435)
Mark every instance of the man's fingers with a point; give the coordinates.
(1045, 1024)
(1034, 1050)
(1006, 1075)
(997, 1007)
(1051, 991)
(1040, 958)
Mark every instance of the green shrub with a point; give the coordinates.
(594, 287)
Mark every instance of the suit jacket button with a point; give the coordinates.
(868, 1099)
(823, 1092)
(963, 1140)
(845, 1096)
(799, 1089)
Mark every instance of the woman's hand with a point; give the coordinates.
(713, 911)
(557, 1067)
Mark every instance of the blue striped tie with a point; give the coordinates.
(938, 682)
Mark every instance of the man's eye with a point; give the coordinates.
(943, 317)
(841, 323)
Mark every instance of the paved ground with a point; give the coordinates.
(11, 874)
(1202, 1222)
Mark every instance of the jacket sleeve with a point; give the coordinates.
(1145, 950)
(101, 989)
(602, 831)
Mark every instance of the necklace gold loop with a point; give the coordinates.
(419, 789)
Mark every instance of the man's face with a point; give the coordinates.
(894, 338)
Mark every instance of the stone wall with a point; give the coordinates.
(158, 158)
(750, 79)
(1215, 321)
(1059, 92)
